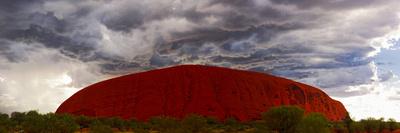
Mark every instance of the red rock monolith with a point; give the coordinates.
(193, 89)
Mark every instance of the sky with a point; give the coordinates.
(50, 49)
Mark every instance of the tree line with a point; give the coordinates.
(283, 119)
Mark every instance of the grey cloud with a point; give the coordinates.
(118, 67)
(395, 98)
(126, 18)
(5, 51)
(14, 6)
(123, 22)
(385, 75)
(342, 92)
(35, 25)
(53, 40)
(158, 61)
(329, 4)
(14, 14)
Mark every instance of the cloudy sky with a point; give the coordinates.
(50, 49)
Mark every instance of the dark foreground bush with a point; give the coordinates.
(285, 119)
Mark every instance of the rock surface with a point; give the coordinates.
(194, 89)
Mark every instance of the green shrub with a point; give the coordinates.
(370, 124)
(381, 125)
(163, 124)
(34, 122)
(5, 123)
(232, 125)
(339, 127)
(83, 121)
(194, 124)
(115, 122)
(17, 119)
(63, 123)
(99, 127)
(392, 124)
(356, 127)
(283, 119)
(139, 127)
(313, 123)
(259, 127)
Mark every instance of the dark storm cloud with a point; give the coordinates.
(13, 6)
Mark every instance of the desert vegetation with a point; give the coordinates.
(283, 119)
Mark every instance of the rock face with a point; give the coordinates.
(193, 89)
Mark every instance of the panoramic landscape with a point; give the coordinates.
(199, 66)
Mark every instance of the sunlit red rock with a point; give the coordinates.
(194, 89)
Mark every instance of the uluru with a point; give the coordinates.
(196, 89)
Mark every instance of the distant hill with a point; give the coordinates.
(194, 89)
